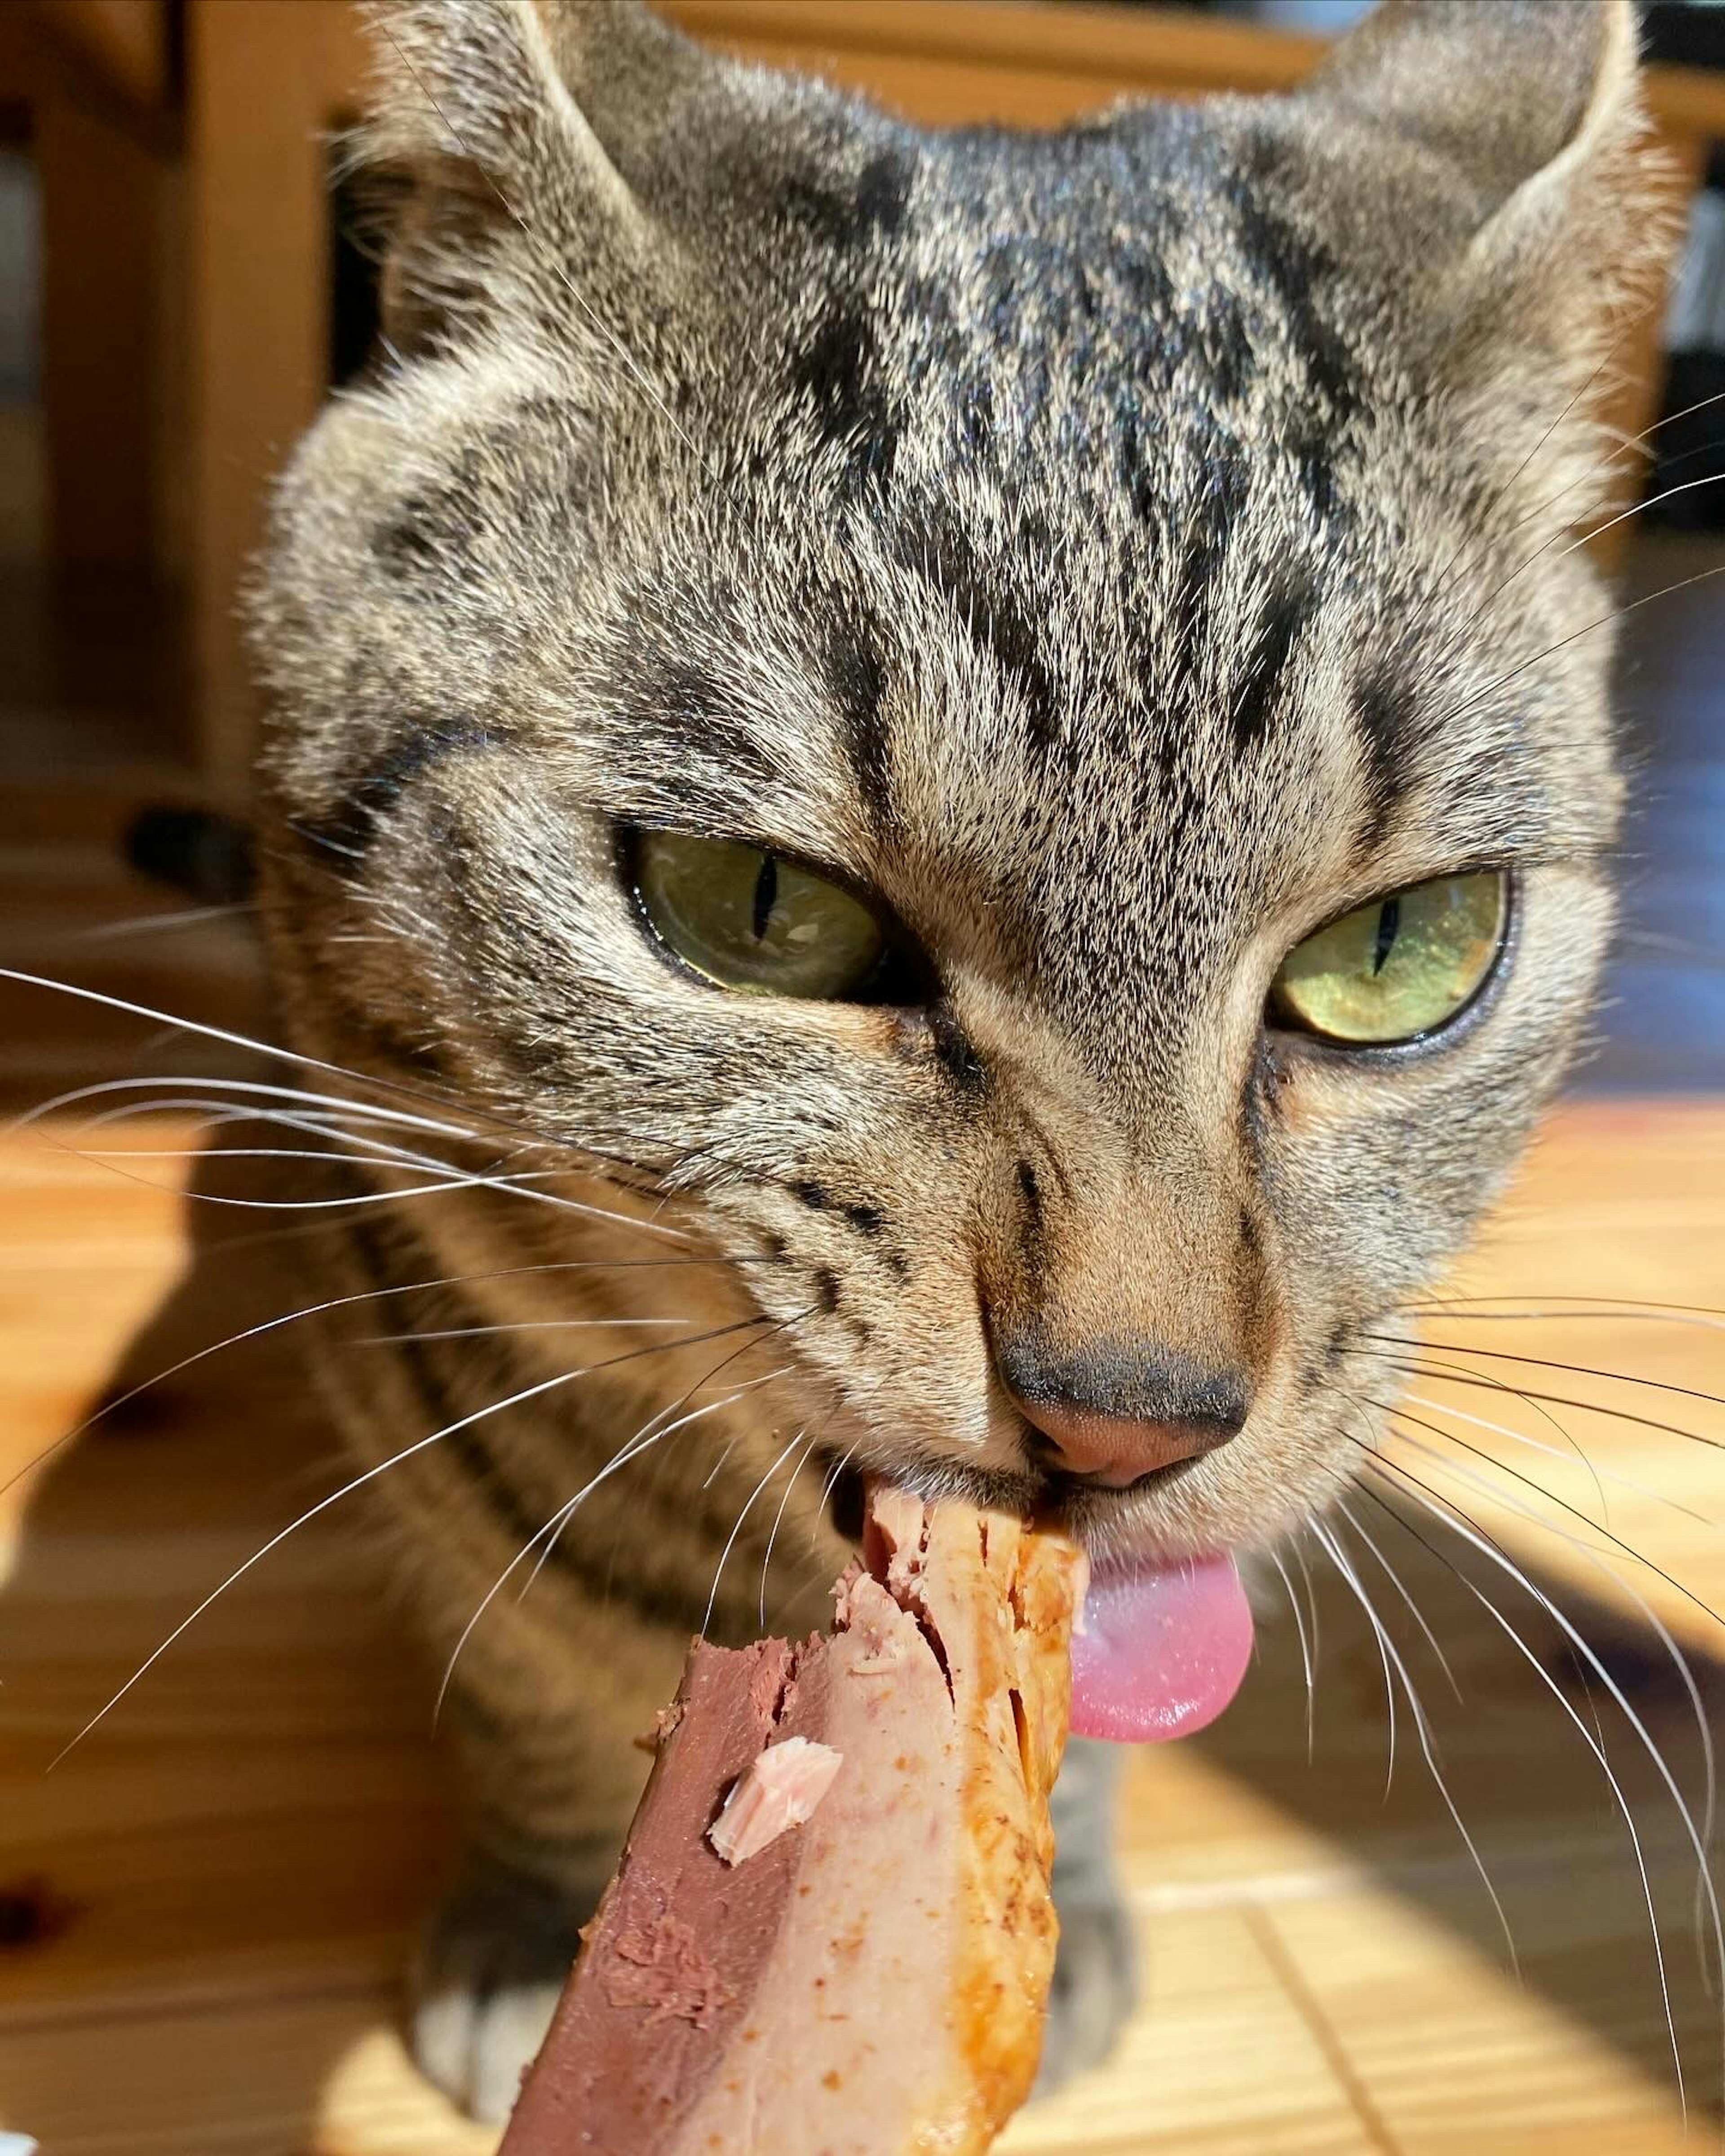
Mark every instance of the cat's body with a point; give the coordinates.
(1118, 553)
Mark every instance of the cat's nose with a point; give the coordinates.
(1116, 1412)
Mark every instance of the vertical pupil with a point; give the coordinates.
(766, 894)
(1390, 921)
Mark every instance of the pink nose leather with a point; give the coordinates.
(1116, 1450)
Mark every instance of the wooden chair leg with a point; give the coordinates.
(259, 115)
(105, 322)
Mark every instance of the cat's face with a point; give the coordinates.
(1111, 557)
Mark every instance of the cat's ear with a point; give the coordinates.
(518, 139)
(1528, 114)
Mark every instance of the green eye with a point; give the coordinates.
(1404, 965)
(748, 920)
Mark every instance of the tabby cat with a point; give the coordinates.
(955, 789)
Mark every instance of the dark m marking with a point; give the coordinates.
(856, 677)
(934, 548)
(1297, 270)
(1383, 714)
(814, 1195)
(347, 833)
(839, 373)
(1285, 612)
(1210, 521)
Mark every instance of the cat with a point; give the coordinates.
(956, 792)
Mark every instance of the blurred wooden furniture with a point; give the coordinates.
(240, 223)
(96, 82)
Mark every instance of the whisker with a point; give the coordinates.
(657, 1427)
(276, 1052)
(1441, 1511)
(1274, 1557)
(790, 1484)
(1403, 1590)
(1540, 1363)
(643, 1438)
(341, 1302)
(736, 1529)
(1472, 703)
(1327, 1542)
(831, 1481)
(1546, 1416)
(369, 1475)
(1505, 1497)
(1426, 1746)
(1586, 1406)
(1679, 1661)
(1465, 1310)
(142, 924)
(1521, 1437)
(1298, 1546)
(451, 1178)
(519, 1325)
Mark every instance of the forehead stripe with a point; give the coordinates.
(1287, 607)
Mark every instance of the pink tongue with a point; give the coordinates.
(1163, 1650)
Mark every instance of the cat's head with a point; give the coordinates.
(1002, 596)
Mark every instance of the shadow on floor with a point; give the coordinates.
(255, 1830)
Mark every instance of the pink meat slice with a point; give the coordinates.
(870, 1980)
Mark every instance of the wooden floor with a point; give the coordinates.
(204, 1907)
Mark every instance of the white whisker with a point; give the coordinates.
(1422, 1732)
(731, 1539)
(790, 1484)
(1441, 1511)
(644, 1439)
(323, 1505)
(1305, 1657)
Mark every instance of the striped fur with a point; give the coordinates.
(1122, 550)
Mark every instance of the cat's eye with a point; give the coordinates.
(1403, 966)
(750, 920)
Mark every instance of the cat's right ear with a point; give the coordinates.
(1523, 120)
(516, 142)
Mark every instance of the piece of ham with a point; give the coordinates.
(778, 1790)
(860, 1964)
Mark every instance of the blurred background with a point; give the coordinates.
(203, 1911)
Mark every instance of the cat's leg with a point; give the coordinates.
(548, 1810)
(1096, 1980)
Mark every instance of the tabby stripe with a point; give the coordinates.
(1382, 715)
(1285, 611)
(935, 549)
(348, 832)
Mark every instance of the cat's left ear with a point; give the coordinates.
(532, 143)
(1527, 117)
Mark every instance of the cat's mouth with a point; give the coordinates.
(1162, 1647)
